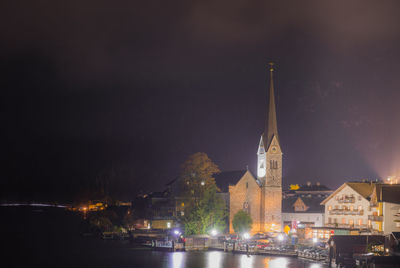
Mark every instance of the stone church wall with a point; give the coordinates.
(245, 195)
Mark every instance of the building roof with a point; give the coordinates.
(362, 188)
(226, 178)
(384, 192)
(312, 202)
(312, 187)
(388, 193)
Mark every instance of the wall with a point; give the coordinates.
(389, 211)
(363, 203)
(317, 218)
(246, 190)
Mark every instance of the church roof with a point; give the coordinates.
(226, 178)
(271, 126)
(312, 202)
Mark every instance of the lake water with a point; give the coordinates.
(49, 237)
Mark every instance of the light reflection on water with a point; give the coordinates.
(177, 258)
(215, 259)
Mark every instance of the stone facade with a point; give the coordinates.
(273, 187)
(246, 195)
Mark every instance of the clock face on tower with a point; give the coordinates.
(274, 149)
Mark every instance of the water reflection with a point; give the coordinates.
(246, 261)
(177, 259)
(216, 259)
(278, 262)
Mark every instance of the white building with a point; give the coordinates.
(366, 206)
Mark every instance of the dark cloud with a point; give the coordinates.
(94, 84)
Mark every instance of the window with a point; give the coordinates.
(359, 198)
(329, 220)
(273, 164)
(360, 222)
(329, 208)
(247, 185)
(351, 222)
(359, 207)
(351, 208)
(343, 220)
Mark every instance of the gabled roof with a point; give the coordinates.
(312, 202)
(226, 178)
(362, 188)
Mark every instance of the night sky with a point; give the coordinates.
(137, 86)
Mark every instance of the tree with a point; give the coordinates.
(242, 222)
(210, 213)
(197, 176)
(204, 209)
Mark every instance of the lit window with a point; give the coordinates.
(330, 208)
(168, 225)
(343, 220)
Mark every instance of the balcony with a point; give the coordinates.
(341, 225)
(347, 200)
(346, 212)
(375, 218)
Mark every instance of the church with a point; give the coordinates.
(261, 196)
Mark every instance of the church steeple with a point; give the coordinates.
(271, 128)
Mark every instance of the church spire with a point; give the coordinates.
(271, 127)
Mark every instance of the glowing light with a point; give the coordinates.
(202, 183)
(315, 240)
(177, 232)
(168, 225)
(246, 235)
(214, 232)
(280, 237)
(148, 226)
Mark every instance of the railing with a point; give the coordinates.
(347, 200)
(346, 212)
(375, 218)
(341, 225)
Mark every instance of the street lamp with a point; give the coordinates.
(214, 232)
(246, 235)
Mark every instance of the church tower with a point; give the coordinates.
(269, 167)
